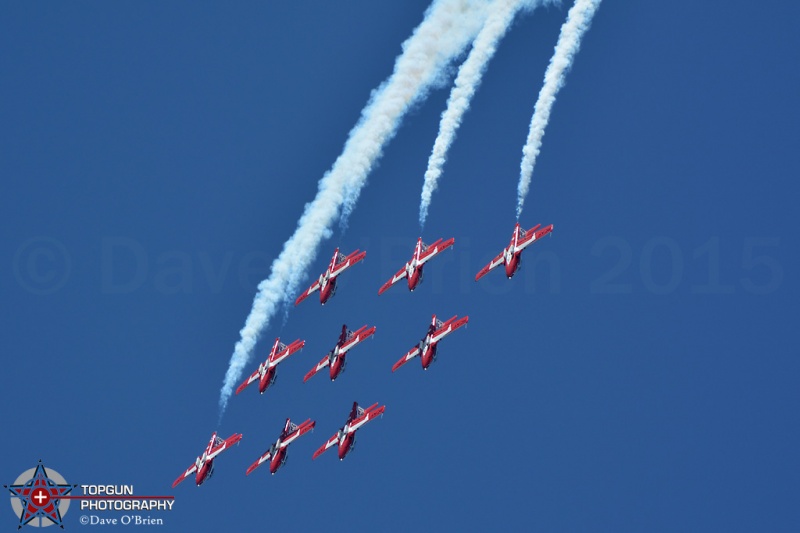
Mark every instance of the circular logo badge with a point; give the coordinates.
(36, 497)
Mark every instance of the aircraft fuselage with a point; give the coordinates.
(428, 355)
(277, 460)
(337, 366)
(346, 444)
(512, 264)
(415, 278)
(204, 472)
(327, 291)
(267, 379)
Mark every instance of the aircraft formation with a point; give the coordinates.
(335, 360)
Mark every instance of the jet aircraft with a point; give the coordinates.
(203, 467)
(266, 372)
(346, 436)
(412, 270)
(336, 357)
(510, 256)
(326, 284)
(426, 349)
(276, 455)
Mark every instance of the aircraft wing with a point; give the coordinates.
(189, 471)
(435, 248)
(312, 289)
(348, 261)
(448, 329)
(412, 353)
(263, 459)
(322, 364)
(401, 274)
(329, 444)
(533, 234)
(224, 445)
(496, 262)
(369, 414)
(355, 339)
(255, 376)
(292, 348)
(301, 430)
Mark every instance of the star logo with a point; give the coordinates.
(37, 494)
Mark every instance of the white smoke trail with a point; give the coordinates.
(469, 22)
(467, 81)
(448, 27)
(578, 21)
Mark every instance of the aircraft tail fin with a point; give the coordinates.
(354, 412)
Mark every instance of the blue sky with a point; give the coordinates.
(639, 373)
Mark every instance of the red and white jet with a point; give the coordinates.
(204, 465)
(266, 373)
(336, 357)
(276, 455)
(326, 284)
(413, 269)
(426, 349)
(511, 254)
(346, 436)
